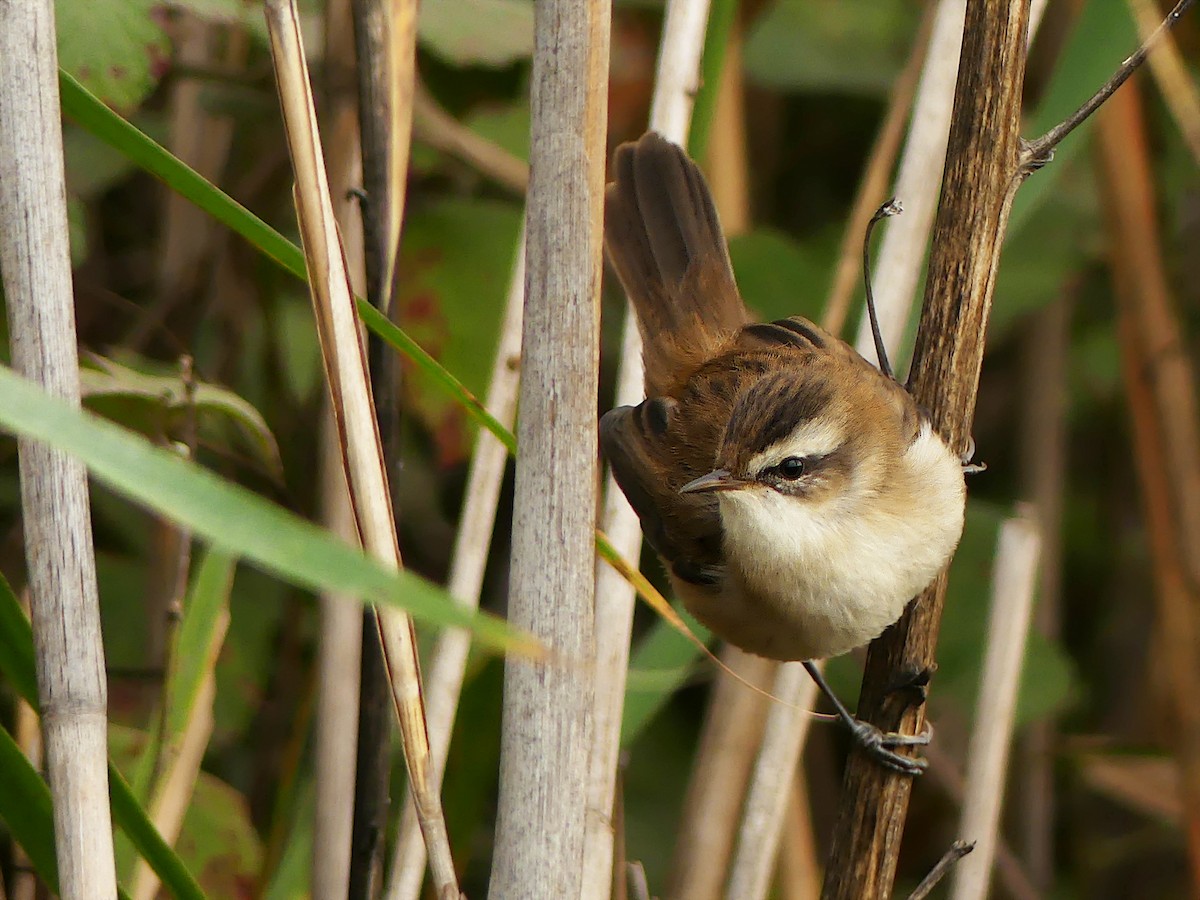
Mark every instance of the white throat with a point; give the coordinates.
(842, 569)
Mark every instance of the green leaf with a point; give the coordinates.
(86, 110)
(477, 32)
(156, 402)
(26, 807)
(17, 665)
(830, 46)
(114, 47)
(230, 517)
(671, 657)
(778, 276)
(16, 646)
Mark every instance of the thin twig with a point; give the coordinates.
(1038, 152)
(339, 651)
(918, 181)
(436, 127)
(444, 678)
(981, 159)
(770, 787)
(957, 851)
(1171, 72)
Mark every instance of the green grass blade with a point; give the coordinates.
(88, 112)
(25, 806)
(22, 799)
(232, 518)
(16, 646)
(160, 856)
(672, 657)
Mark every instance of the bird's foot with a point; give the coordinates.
(913, 683)
(878, 745)
(970, 467)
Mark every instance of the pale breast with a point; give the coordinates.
(812, 580)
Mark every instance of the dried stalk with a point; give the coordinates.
(1160, 380)
(728, 740)
(445, 676)
(770, 787)
(986, 163)
(872, 190)
(545, 737)
(337, 325)
(799, 873)
(676, 83)
(1013, 582)
(36, 267)
(339, 651)
(981, 177)
(378, 108)
(918, 180)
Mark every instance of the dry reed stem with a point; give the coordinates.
(775, 772)
(1160, 381)
(27, 732)
(676, 82)
(339, 651)
(799, 873)
(982, 173)
(546, 727)
(443, 686)
(345, 364)
(176, 782)
(35, 263)
(729, 738)
(727, 160)
(918, 182)
(872, 188)
(1014, 577)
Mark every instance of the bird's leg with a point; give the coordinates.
(912, 681)
(874, 741)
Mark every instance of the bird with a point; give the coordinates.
(797, 495)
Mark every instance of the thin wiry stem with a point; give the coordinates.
(1038, 152)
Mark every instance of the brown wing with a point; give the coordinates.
(642, 444)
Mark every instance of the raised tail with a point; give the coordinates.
(665, 242)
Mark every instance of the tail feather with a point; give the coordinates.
(665, 242)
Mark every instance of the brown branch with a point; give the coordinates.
(1039, 151)
(982, 157)
(1160, 382)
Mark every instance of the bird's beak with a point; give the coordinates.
(717, 480)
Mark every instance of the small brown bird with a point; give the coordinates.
(798, 495)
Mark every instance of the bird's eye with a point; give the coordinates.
(792, 468)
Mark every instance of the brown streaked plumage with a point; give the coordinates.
(797, 495)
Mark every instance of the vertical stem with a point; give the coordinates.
(545, 729)
(36, 267)
(1013, 580)
(979, 183)
(1160, 381)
